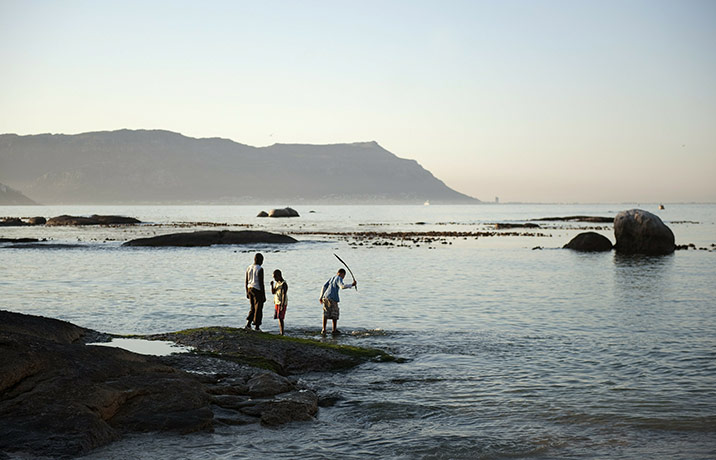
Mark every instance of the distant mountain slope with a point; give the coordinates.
(164, 167)
(11, 197)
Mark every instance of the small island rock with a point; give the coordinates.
(641, 232)
(589, 242)
(262, 214)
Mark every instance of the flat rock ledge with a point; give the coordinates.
(212, 237)
(61, 398)
(92, 220)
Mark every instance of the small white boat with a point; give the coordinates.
(427, 203)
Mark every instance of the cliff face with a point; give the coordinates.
(164, 167)
(9, 196)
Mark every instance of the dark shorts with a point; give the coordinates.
(330, 309)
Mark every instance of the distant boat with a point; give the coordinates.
(427, 203)
(661, 206)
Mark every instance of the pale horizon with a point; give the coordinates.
(531, 102)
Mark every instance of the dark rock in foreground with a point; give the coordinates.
(641, 232)
(589, 242)
(60, 398)
(283, 212)
(212, 237)
(92, 220)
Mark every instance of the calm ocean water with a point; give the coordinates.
(511, 352)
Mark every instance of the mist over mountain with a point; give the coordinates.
(9, 196)
(143, 166)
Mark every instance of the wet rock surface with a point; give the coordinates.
(281, 354)
(212, 237)
(60, 397)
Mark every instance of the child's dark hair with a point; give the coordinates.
(277, 274)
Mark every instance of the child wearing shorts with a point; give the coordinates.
(280, 297)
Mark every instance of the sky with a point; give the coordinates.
(529, 101)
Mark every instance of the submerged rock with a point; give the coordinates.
(212, 237)
(641, 232)
(283, 212)
(589, 242)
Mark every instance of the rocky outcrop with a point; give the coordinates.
(641, 232)
(283, 212)
(12, 222)
(589, 242)
(60, 398)
(262, 214)
(37, 220)
(18, 222)
(92, 220)
(212, 237)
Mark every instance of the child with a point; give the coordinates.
(280, 298)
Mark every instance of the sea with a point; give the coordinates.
(511, 347)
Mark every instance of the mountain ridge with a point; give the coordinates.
(159, 166)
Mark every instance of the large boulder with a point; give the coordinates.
(589, 242)
(641, 232)
(212, 237)
(284, 212)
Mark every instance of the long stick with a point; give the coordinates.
(349, 269)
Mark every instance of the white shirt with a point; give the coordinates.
(252, 277)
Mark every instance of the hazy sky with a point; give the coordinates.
(602, 101)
